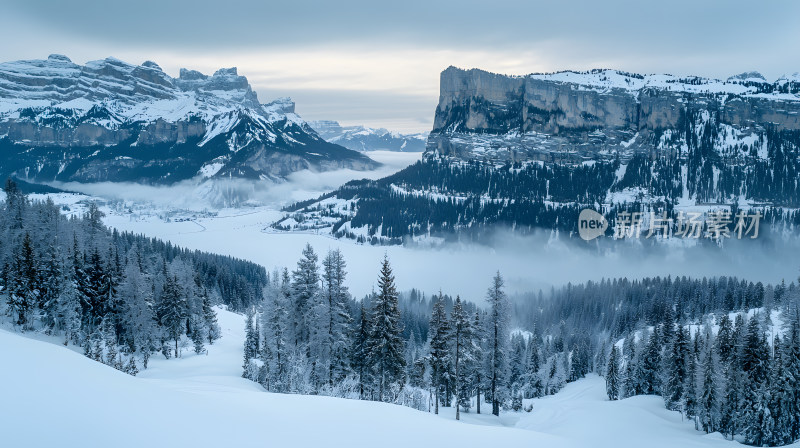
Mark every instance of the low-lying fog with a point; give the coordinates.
(527, 262)
(192, 195)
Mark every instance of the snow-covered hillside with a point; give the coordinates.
(201, 400)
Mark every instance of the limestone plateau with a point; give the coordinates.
(585, 115)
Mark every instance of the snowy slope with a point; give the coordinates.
(201, 401)
(581, 412)
(745, 84)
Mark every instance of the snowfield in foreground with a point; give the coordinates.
(53, 396)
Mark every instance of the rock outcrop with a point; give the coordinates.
(482, 114)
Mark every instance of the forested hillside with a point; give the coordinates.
(122, 297)
(723, 351)
(702, 161)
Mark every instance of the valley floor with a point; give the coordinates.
(53, 396)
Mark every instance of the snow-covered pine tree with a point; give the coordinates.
(385, 344)
(533, 378)
(613, 374)
(676, 370)
(23, 285)
(792, 362)
(439, 359)
(781, 390)
(629, 380)
(339, 319)
(516, 364)
(209, 319)
(172, 310)
(463, 352)
(497, 343)
(689, 398)
(250, 349)
(130, 367)
(305, 291)
(755, 366)
(198, 333)
(68, 307)
(275, 352)
(708, 399)
(650, 377)
(478, 378)
(360, 351)
(136, 314)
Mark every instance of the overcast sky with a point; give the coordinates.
(378, 63)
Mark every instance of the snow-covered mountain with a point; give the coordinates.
(362, 138)
(109, 120)
(580, 115)
(530, 152)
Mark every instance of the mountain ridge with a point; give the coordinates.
(530, 152)
(109, 120)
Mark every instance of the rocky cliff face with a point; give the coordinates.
(486, 115)
(111, 121)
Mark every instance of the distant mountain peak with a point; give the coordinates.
(59, 57)
(363, 138)
(748, 76)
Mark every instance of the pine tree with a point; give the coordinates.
(250, 349)
(439, 333)
(463, 349)
(276, 352)
(305, 292)
(676, 370)
(23, 286)
(360, 351)
(725, 343)
(792, 371)
(781, 391)
(478, 378)
(210, 319)
(690, 397)
(708, 413)
(629, 378)
(755, 366)
(497, 343)
(533, 378)
(198, 334)
(612, 374)
(172, 310)
(385, 343)
(131, 368)
(68, 307)
(651, 366)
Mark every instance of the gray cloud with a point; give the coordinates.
(415, 39)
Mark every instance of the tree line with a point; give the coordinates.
(121, 297)
(310, 336)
